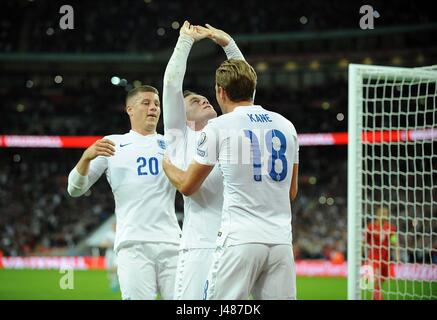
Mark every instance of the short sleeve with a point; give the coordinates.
(207, 151)
(296, 156)
(296, 140)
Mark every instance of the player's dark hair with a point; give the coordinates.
(189, 93)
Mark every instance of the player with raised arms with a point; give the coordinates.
(147, 233)
(185, 114)
(257, 154)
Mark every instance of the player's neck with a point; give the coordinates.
(144, 131)
(197, 125)
(232, 105)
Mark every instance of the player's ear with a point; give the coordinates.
(128, 109)
(222, 93)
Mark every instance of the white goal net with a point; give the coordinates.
(392, 183)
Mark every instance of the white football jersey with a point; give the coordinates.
(256, 150)
(144, 197)
(202, 210)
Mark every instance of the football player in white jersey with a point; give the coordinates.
(185, 115)
(257, 153)
(147, 234)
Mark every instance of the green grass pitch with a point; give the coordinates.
(45, 285)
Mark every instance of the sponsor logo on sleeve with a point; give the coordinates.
(201, 152)
(202, 139)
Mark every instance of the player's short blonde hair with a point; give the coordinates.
(238, 78)
(132, 93)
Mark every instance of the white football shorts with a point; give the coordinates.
(191, 273)
(146, 269)
(266, 271)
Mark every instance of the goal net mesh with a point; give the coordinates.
(396, 159)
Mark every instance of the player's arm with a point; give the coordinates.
(295, 174)
(294, 186)
(90, 167)
(173, 100)
(187, 182)
(172, 96)
(224, 40)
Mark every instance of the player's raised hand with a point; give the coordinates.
(218, 36)
(102, 147)
(192, 32)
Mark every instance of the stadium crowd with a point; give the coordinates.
(33, 25)
(39, 216)
(47, 217)
(36, 213)
(74, 110)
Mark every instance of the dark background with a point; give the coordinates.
(300, 50)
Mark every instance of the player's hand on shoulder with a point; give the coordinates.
(102, 147)
(191, 31)
(218, 36)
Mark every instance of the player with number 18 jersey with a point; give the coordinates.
(256, 150)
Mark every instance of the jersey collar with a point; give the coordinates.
(137, 135)
(245, 108)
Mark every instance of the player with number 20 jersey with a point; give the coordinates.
(147, 234)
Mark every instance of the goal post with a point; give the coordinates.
(392, 164)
